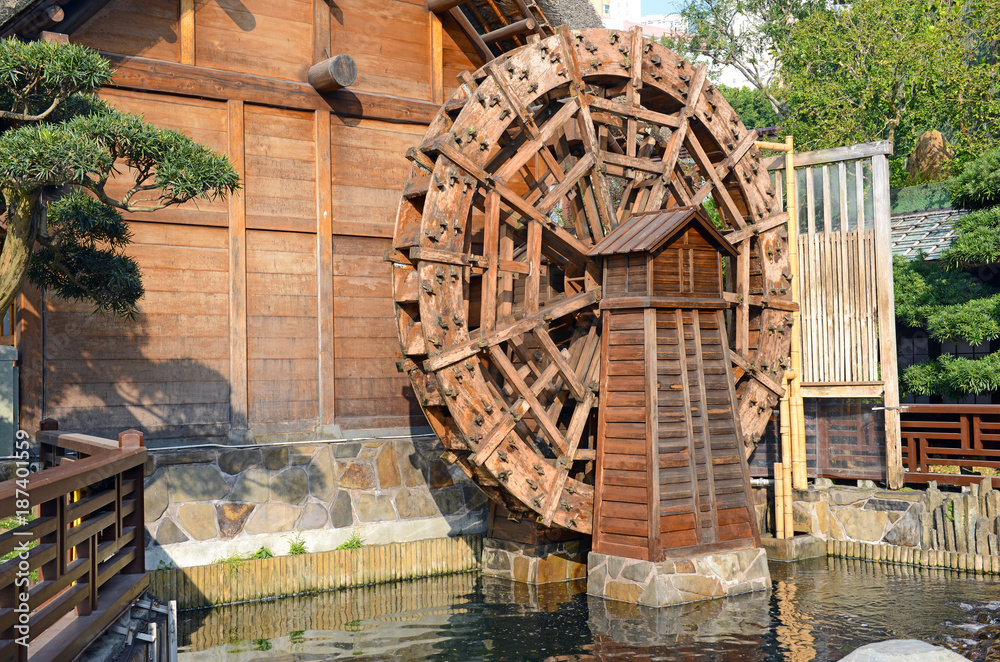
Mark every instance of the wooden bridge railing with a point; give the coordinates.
(86, 543)
(962, 436)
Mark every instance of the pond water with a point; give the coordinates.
(820, 609)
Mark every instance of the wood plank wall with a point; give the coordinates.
(273, 309)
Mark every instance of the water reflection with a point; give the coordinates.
(816, 610)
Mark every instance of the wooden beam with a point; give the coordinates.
(238, 389)
(321, 30)
(849, 153)
(886, 320)
(186, 29)
(437, 59)
(148, 75)
(859, 390)
(477, 41)
(324, 275)
(438, 6)
(508, 31)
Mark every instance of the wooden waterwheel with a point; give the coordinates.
(531, 161)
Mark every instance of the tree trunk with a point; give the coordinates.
(24, 218)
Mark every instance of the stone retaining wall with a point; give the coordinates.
(202, 504)
(965, 523)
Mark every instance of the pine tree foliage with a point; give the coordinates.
(949, 302)
(60, 147)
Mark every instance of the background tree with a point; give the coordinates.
(748, 35)
(62, 151)
(751, 105)
(947, 300)
(891, 69)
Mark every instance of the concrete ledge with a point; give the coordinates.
(534, 564)
(679, 581)
(794, 549)
(281, 576)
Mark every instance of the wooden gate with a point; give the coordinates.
(845, 293)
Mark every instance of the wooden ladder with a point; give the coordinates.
(497, 29)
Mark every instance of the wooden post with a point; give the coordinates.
(321, 30)
(30, 311)
(238, 388)
(437, 59)
(324, 272)
(186, 30)
(887, 320)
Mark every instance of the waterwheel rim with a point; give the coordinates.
(532, 161)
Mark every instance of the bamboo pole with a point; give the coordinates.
(788, 509)
(796, 409)
(779, 502)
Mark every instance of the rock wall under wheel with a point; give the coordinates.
(208, 503)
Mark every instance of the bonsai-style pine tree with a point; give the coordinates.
(60, 146)
(946, 300)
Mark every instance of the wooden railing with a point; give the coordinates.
(963, 436)
(86, 544)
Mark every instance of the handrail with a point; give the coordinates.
(833, 155)
(950, 435)
(82, 531)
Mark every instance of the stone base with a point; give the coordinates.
(534, 564)
(703, 577)
(794, 549)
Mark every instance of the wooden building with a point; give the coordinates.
(268, 315)
(671, 476)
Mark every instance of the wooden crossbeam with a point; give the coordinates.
(509, 372)
(477, 41)
(569, 181)
(495, 437)
(524, 118)
(728, 205)
(626, 110)
(754, 373)
(578, 390)
(531, 146)
(751, 229)
(578, 249)
(573, 434)
(556, 308)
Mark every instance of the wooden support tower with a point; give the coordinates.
(672, 479)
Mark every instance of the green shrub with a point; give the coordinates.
(978, 185)
(353, 542)
(297, 545)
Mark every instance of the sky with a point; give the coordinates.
(661, 6)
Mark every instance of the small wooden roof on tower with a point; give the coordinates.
(649, 230)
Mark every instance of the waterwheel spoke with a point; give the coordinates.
(541, 417)
(491, 251)
(728, 206)
(507, 331)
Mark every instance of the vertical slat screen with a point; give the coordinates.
(837, 273)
